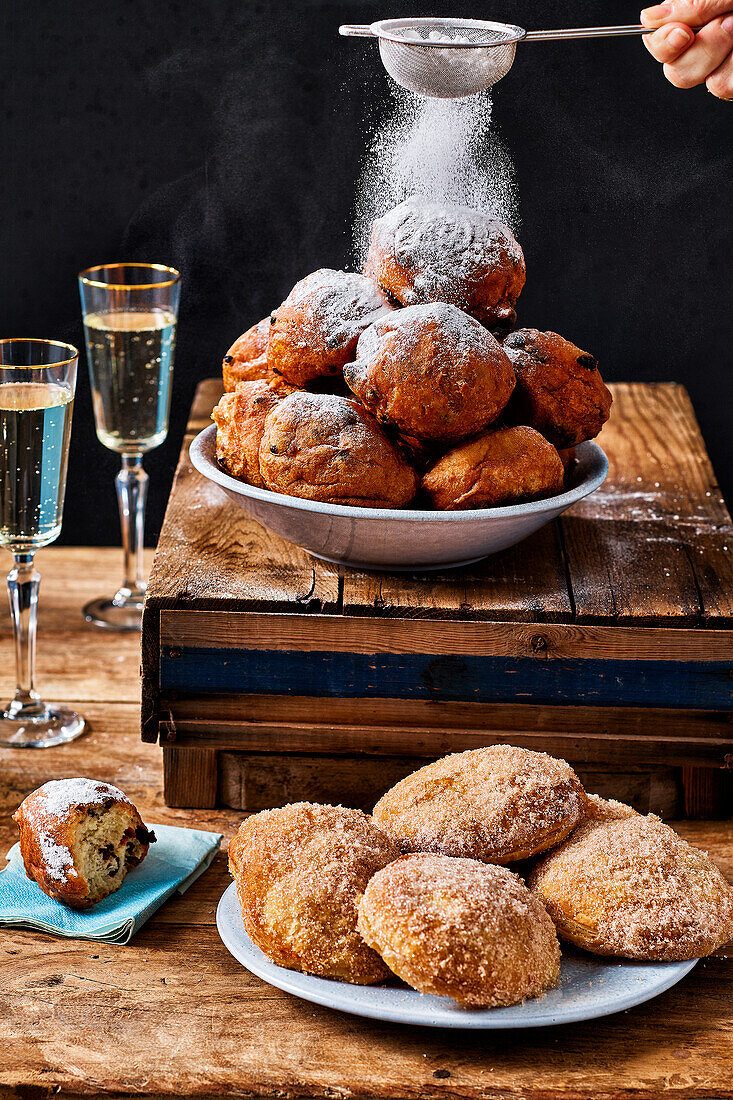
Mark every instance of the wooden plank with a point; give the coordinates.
(695, 684)
(658, 465)
(339, 634)
(150, 674)
(258, 781)
(707, 793)
(107, 751)
(383, 715)
(611, 748)
(655, 543)
(211, 554)
(190, 777)
(524, 583)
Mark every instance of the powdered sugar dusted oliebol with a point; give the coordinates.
(56, 799)
(460, 334)
(341, 303)
(444, 246)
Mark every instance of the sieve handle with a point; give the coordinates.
(586, 32)
(357, 30)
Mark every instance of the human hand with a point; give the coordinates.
(688, 58)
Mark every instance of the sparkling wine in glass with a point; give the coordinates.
(37, 383)
(130, 314)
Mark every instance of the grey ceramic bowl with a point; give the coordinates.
(403, 539)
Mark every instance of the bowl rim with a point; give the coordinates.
(210, 469)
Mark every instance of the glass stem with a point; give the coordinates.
(23, 585)
(132, 490)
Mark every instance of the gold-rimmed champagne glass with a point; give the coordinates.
(37, 384)
(130, 314)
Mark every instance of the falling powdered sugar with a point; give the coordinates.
(444, 149)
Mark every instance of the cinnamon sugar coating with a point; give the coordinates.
(246, 360)
(432, 372)
(499, 467)
(627, 885)
(496, 804)
(328, 448)
(301, 871)
(423, 251)
(559, 388)
(315, 331)
(460, 929)
(240, 423)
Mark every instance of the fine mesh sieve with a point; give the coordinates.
(452, 58)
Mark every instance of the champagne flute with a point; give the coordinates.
(130, 313)
(37, 383)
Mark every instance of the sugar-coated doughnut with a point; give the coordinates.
(627, 885)
(498, 467)
(240, 423)
(559, 388)
(246, 360)
(496, 804)
(425, 251)
(328, 448)
(301, 871)
(314, 332)
(432, 372)
(79, 838)
(459, 928)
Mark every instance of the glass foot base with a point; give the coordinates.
(54, 726)
(109, 615)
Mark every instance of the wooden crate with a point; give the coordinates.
(606, 638)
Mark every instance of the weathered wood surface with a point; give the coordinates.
(257, 781)
(653, 545)
(172, 1014)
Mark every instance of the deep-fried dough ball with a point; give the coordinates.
(627, 885)
(301, 871)
(240, 422)
(497, 804)
(424, 251)
(499, 467)
(314, 332)
(328, 448)
(432, 372)
(460, 929)
(246, 360)
(559, 389)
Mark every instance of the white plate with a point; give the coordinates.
(589, 987)
(401, 539)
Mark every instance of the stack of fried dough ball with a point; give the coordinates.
(421, 888)
(406, 383)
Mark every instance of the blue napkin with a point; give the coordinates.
(175, 861)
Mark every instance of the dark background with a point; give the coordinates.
(225, 138)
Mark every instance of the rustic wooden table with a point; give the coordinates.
(173, 1014)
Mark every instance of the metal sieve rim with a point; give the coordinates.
(386, 28)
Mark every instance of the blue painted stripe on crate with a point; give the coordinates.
(470, 678)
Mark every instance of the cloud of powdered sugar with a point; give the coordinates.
(445, 149)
